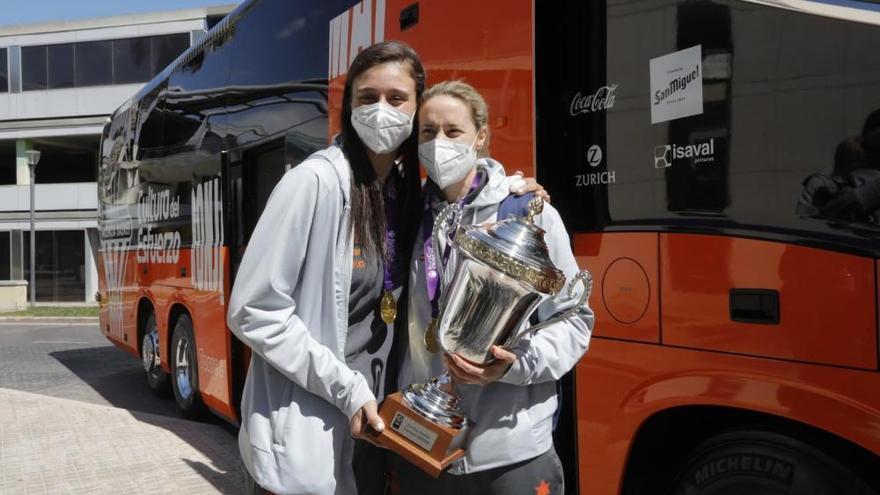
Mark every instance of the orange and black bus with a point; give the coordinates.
(717, 163)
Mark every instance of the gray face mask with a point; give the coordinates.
(381, 127)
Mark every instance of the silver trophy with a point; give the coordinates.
(500, 273)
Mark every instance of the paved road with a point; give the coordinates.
(76, 416)
(74, 362)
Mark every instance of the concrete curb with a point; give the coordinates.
(91, 320)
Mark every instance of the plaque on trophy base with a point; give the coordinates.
(430, 446)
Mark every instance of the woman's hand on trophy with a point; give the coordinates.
(367, 416)
(465, 371)
(526, 185)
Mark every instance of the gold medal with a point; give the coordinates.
(388, 307)
(431, 342)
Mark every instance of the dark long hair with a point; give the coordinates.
(367, 202)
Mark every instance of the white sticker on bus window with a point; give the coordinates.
(677, 85)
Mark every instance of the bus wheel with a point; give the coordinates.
(185, 370)
(764, 463)
(157, 379)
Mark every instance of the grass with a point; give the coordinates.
(56, 311)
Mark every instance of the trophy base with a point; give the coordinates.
(429, 446)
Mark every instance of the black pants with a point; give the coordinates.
(370, 464)
(540, 475)
(250, 485)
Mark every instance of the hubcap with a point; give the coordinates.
(150, 351)
(183, 368)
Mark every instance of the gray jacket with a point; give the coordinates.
(513, 417)
(290, 305)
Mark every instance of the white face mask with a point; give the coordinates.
(381, 127)
(447, 162)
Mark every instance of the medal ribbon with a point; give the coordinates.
(390, 230)
(387, 303)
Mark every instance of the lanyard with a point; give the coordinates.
(432, 277)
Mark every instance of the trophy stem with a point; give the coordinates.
(437, 400)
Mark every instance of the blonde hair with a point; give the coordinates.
(470, 97)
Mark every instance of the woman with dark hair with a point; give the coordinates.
(316, 292)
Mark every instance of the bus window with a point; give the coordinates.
(621, 150)
(150, 134)
(195, 116)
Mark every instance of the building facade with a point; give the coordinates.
(59, 82)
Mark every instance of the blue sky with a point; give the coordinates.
(29, 11)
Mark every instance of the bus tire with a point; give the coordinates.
(157, 380)
(185, 370)
(764, 463)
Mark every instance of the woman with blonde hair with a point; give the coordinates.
(512, 400)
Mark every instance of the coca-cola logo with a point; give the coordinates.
(602, 99)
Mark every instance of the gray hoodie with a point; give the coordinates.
(512, 417)
(290, 306)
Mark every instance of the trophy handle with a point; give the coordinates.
(441, 228)
(583, 277)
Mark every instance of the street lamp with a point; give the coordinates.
(33, 157)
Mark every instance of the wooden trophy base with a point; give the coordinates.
(418, 440)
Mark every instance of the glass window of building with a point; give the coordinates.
(4, 72)
(61, 66)
(213, 20)
(94, 63)
(33, 67)
(131, 60)
(167, 48)
(7, 162)
(5, 256)
(69, 159)
(59, 265)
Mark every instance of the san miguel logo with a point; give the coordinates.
(602, 99)
(677, 85)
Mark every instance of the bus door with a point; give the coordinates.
(252, 175)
